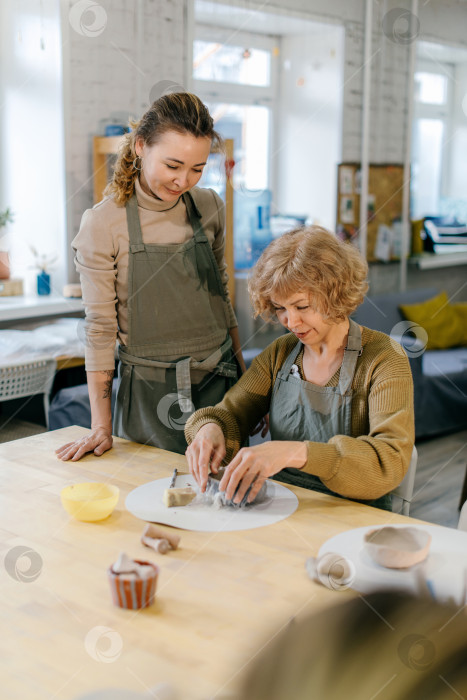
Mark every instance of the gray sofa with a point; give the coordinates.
(70, 406)
(440, 376)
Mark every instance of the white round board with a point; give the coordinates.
(444, 568)
(145, 502)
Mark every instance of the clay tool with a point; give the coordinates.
(154, 537)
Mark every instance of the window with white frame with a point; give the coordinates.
(235, 75)
(432, 109)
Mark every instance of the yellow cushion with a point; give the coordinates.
(417, 243)
(460, 310)
(444, 324)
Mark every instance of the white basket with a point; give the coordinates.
(28, 378)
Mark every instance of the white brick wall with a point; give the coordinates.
(388, 100)
(145, 41)
(112, 73)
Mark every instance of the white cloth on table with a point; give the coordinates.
(57, 338)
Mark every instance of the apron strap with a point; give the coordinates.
(182, 374)
(211, 364)
(351, 354)
(194, 216)
(134, 227)
(183, 368)
(205, 259)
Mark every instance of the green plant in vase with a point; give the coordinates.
(6, 217)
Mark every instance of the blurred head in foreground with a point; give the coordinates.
(383, 646)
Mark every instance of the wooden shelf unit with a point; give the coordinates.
(103, 146)
(385, 187)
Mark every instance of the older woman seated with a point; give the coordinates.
(339, 395)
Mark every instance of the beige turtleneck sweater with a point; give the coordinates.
(364, 465)
(101, 258)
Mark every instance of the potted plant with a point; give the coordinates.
(6, 217)
(43, 263)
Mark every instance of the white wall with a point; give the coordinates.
(138, 45)
(338, 10)
(31, 135)
(444, 20)
(309, 135)
(98, 60)
(146, 41)
(388, 89)
(111, 72)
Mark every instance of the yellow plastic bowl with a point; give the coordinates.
(90, 501)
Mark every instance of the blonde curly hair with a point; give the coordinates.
(178, 111)
(313, 260)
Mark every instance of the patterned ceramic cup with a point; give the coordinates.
(133, 592)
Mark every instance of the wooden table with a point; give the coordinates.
(220, 596)
(69, 361)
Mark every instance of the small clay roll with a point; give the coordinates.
(161, 546)
(158, 545)
(157, 533)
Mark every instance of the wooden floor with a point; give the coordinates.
(441, 468)
(442, 464)
(13, 429)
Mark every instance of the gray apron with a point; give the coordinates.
(301, 410)
(176, 307)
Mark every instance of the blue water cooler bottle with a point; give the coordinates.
(261, 234)
(252, 230)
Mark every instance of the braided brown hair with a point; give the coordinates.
(178, 111)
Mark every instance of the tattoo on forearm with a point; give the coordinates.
(109, 373)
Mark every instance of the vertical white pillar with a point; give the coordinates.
(189, 20)
(141, 100)
(363, 234)
(405, 228)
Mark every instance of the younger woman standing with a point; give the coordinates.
(151, 262)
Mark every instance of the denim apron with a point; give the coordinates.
(176, 307)
(301, 410)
